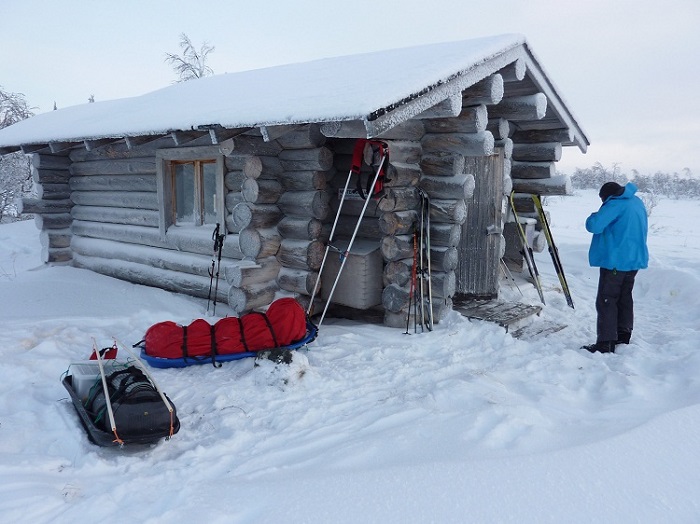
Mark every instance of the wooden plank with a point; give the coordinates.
(499, 312)
(537, 330)
(479, 249)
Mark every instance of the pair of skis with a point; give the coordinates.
(553, 251)
(421, 290)
(528, 255)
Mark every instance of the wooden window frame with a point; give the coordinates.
(198, 196)
(165, 158)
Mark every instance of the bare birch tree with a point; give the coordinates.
(15, 175)
(192, 63)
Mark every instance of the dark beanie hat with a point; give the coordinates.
(610, 189)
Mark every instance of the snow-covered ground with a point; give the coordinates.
(465, 424)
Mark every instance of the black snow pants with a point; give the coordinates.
(614, 304)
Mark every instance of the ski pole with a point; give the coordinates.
(426, 205)
(509, 275)
(214, 236)
(218, 246)
(330, 240)
(352, 240)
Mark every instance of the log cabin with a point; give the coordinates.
(133, 188)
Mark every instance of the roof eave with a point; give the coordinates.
(555, 100)
(408, 107)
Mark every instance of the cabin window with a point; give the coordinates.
(194, 199)
(190, 183)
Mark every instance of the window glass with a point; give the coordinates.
(184, 184)
(209, 193)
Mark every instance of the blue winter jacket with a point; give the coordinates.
(619, 233)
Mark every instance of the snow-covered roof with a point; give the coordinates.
(390, 86)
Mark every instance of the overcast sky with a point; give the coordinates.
(628, 69)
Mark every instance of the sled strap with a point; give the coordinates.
(184, 342)
(214, 352)
(242, 332)
(165, 400)
(272, 331)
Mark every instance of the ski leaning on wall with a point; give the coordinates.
(421, 291)
(553, 251)
(526, 250)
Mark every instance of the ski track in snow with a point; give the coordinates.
(361, 398)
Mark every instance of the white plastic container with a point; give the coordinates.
(84, 374)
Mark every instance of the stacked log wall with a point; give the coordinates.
(306, 165)
(533, 156)
(447, 182)
(115, 224)
(400, 208)
(252, 166)
(51, 206)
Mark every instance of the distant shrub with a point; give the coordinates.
(674, 185)
(650, 200)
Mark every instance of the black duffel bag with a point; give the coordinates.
(140, 414)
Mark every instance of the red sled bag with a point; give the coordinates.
(288, 320)
(171, 340)
(283, 324)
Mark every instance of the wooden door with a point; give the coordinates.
(479, 249)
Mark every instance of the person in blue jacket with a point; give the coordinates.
(619, 249)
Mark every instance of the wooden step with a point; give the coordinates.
(537, 329)
(510, 315)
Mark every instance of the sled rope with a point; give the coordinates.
(165, 400)
(108, 401)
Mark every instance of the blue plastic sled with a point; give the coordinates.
(160, 362)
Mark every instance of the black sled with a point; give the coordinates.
(139, 414)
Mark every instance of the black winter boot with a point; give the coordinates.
(624, 337)
(606, 346)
